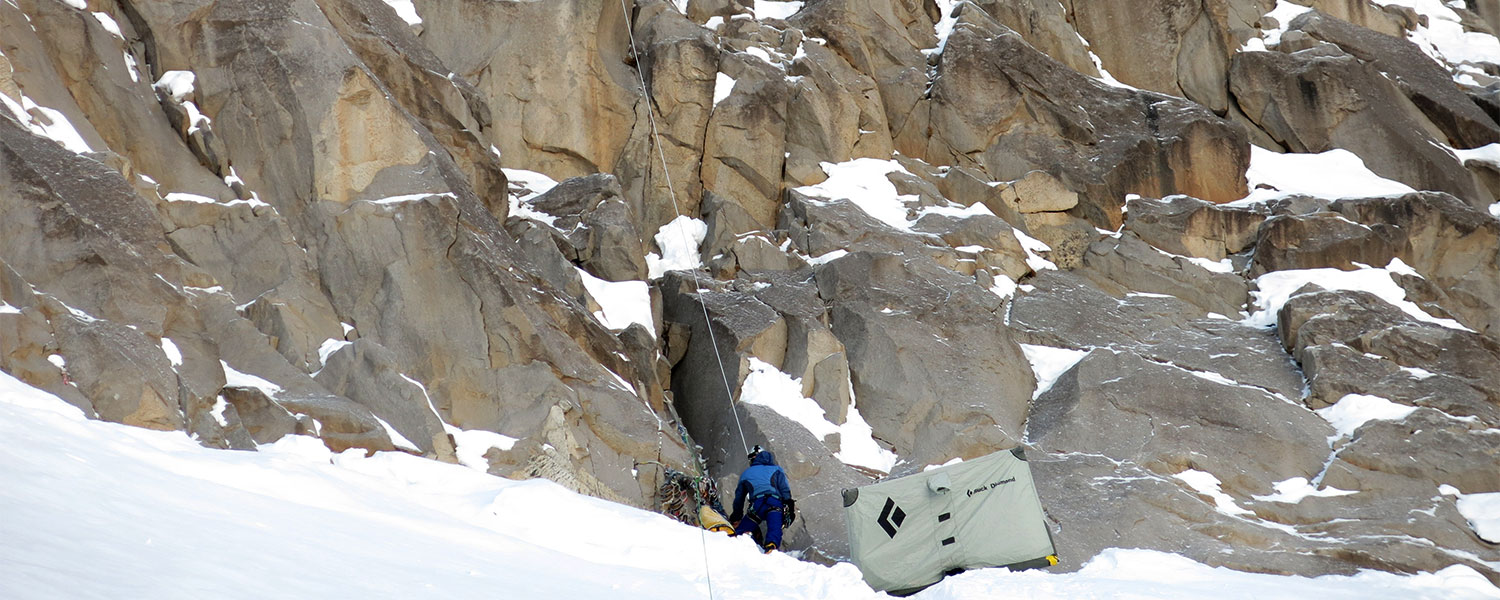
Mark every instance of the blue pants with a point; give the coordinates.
(765, 509)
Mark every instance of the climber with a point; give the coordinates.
(764, 485)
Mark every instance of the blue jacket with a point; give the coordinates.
(763, 478)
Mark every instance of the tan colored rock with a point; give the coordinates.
(555, 77)
(1320, 99)
(681, 63)
(365, 372)
(1454, 246)
(1039, 192)
(1191, 227)
(1098, 140)
(966, 186)
(27, 344)
(882, 39)
(448, 108)
(1067, 235)
(835, 114)
(1463, 123)
(1364, 14)
(361, 136)
(8, 80)
(744, 147)
(1045, 25)
(117, 100)
(122, 371)
(251, 251)
(1168, 46)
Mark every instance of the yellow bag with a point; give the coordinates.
(711, 520)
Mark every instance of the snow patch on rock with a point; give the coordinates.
(621, 302)
(1354, 410)
(679, 241)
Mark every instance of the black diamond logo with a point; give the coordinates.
(891, 517)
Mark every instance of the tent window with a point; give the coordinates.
(949, 541)
(944, 517)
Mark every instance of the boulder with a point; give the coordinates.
(1046, 27)
(1449, 369)
(123, 372)
(968, 186)
(1387, 20)
(27, 344)
(1067, 237)
(115, 100)
(1130, 265)
(450, 109)
(990, 238)
(1064, 309)
(818, 227)
(1191, 227)
(263, 418)
(1038, 192)
(341, 423)
(680, 62)
(1177, 48)
(1119, 405)
(251, 252)
(882, 39)
(1319, 240)
(835, 114)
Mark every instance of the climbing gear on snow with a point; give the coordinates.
(683, 497)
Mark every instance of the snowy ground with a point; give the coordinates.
(97, 510)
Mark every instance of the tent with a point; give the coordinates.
(908, 533)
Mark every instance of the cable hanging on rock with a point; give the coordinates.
(697, 286)
(677, 209)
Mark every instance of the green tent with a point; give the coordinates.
(908, 533)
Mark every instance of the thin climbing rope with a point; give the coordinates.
(697, 285)
(672, 191)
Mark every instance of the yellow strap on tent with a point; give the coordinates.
(711, 520)
(1052, 559)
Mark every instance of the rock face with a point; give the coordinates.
(1000, 105)
(1325, 97)
(949, 228)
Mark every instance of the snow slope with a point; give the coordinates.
(91, 509)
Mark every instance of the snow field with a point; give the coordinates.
(100, 510)
(1294, 490)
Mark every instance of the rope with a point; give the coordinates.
(672, 191)
(697, 285)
